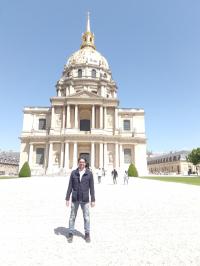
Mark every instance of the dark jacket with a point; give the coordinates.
(80, 189)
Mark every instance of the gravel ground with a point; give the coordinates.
(145, 223)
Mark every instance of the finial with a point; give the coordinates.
(88, 36)
(88, 22)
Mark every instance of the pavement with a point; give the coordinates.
(147, 222)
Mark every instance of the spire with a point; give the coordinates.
(88, 36)
(88, 22)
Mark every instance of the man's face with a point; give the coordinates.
(81, 164)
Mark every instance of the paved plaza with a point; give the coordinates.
(145, 223)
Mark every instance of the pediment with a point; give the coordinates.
(85, 95)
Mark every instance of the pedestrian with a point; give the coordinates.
(126, 177)
(103, 172)
(115, 175)
(80, 183)
(99, 174)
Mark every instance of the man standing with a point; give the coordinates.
(114, 174)
(80, 183)
(99, 174)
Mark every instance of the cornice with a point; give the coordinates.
(83, 138)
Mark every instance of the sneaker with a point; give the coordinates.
(70, 238)
(87, 238)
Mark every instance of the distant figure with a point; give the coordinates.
(99, 174)
(103, 172)
(115, 175)
(126, 177)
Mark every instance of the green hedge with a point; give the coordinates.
(132, 171)
(25, 170)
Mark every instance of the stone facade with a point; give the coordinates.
(84, 120)
(171, 163)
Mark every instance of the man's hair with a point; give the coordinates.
(82, 158)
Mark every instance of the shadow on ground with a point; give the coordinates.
(65, 232)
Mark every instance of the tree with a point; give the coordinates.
(194, 157)
(132, 171)
(25, 170)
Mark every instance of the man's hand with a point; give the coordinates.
(67, 203)
(92, 204)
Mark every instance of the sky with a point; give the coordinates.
(152, 47)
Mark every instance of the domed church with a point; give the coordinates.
(84, 119)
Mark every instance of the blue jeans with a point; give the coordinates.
(86, 215)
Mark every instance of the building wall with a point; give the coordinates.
(8, 169)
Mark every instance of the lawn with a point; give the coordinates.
(191, 180)
(7, 177)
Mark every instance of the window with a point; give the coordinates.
(40, 156)
(94, 73)
(80, 73)
(42, 124)
(84, 125)
(127, 156)
(127, 125)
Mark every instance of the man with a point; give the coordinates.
(114, 174)
(99, 174)
(126, 177)
(81, 181)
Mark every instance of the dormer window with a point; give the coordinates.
(80, 73)
(94, 73)
(42, 124)
(127, 125)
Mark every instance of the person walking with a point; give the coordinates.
(115, 175)
(80, 184)
(126, 177)
(99, 174)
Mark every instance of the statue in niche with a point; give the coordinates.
(109, 120)
(57, 158)
(110, 156)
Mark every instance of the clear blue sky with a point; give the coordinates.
(153, 49)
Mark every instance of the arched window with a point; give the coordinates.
(80, 73)
(94, 73)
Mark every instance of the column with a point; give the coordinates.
(61, 155)
(64, 116)
(105, 112)
(116, 119)
(46, 155)
(101, 117)
(76, 116)
(66, 165)
(30, 157)
(52, 116)
(92, 155)
(93, 116)
(121, 156)
(50, 155)
(101, 155)
(75, 155)
(68, 116)
(116, 155)
(105, 156)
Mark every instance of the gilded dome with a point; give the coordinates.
(87, 55)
